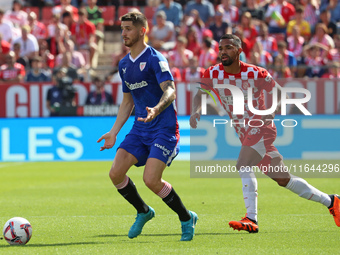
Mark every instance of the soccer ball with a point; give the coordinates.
(17, 231)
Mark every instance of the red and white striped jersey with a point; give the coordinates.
(310, 14)
(315, 63)
(250, 76)
(296, 47)
(177, 58)
(8, 74)
(269, 44)
(39, 30)
(176, 74)
(207, 58)
(326, 40)
(18, 18)
(196, 76)
(215, 46)
(334, 55)
(231, 15)
(265, 58)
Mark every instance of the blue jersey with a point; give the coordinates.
(141, 77)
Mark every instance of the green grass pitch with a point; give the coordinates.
(74, 209)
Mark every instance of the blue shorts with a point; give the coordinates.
(143, 145)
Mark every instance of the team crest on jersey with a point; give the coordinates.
(245, 85)
(124, 70)
(268, 78)
(55, 94)
(254, 131)
(142, 65)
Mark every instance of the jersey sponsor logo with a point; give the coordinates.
(136, 85)
(166, 152)
(164, 66)
(142, 65)
(124, 70)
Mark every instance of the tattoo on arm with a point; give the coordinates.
(167, 84)
(169, 95)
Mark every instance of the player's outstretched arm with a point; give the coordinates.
(196, 115)
(124, 113)
(169, 95)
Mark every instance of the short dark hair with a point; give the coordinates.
(324, 11)
(235, 39)
(96, 78)
(299, 9)
(66, 14)
(82, 11)
(17, 44)
(17, 2)
(182, 39)
(207, 41)
(137, 18)
(282, 44)
(36, 58)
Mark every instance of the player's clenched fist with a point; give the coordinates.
(110, 140)
(193, 119)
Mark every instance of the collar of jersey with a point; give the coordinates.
(140, 54)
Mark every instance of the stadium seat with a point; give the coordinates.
(108, 14)
(150, 24)
(123, 10)
(149, 11)
(46, 15)
(32, 9)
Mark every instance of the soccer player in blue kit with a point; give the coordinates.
(153, 140)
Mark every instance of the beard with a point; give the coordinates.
(131, 41)
(228, 62)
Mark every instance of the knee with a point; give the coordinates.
(277, 161)
(151, 183)
(115, 176)
(241, 164)
(282, 181)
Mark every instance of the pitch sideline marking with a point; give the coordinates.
(10, 164)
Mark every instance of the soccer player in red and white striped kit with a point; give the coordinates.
(257, 142)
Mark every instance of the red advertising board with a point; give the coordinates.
(29, 99)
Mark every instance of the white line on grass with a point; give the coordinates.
(11, 164)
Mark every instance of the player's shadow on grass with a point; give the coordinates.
(125, 235)
(170, 234)
(196, 234)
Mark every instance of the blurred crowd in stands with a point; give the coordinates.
(33, 49)
(294, 38)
